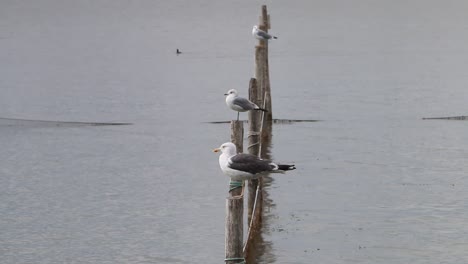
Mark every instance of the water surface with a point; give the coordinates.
(375, 183)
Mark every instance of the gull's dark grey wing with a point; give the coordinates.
(249, 163)
(244, 103)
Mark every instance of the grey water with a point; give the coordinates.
(375, 182)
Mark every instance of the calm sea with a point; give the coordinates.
(375, 183)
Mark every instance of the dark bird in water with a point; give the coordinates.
(178, 52)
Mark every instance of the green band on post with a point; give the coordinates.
(235, 184)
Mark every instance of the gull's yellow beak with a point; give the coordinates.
(216, 150)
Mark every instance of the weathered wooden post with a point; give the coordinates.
(262, 74)
(265, 25)
(255, 118)
(234, 230)
(260, 126)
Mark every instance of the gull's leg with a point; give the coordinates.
(238, 116)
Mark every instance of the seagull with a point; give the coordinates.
(240, 167)
(240, 104)
(260, 34)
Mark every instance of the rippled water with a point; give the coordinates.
(375, 183)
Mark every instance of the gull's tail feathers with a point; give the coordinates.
(285, 167)
(281, 168)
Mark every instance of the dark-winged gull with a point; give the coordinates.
(240, 104)
(240, 167)
(260, 34)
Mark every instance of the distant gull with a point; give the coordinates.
(240, 167)
(240, 104)
(260, 34)
(178, 52)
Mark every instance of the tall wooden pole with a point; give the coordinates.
(234, 230)
(262, 72)
(260, 126)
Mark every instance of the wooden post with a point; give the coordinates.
(234, 230)
(255, 118)
(262, 74)
(237, 134)
(260, 94)
(265, 19)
